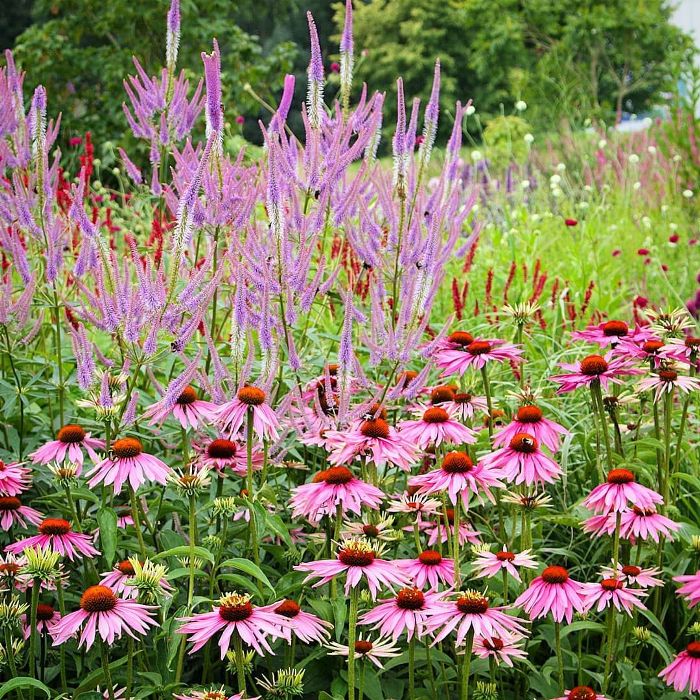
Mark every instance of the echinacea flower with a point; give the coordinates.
(249, 400)
(357, 559)
(553, 591)
(646, 523)
(593, 368)
(683, 673)
(406, 612)
(456, 355)
(471, 610)
(13, 513)
(665, 380)
(222, 453)
(612, 591)
(428, 567)
(14, 479)
(644, 578)
(522, 462)
(465, 405)
(581, 692)
(502, 649)
(441, 531)
(491, 564)
(530, 420)
(234, 614)
(414, 503)
(365, 649)
(46, 620)
(189, 410)
(610, 333)
(690, 590)
(459, 477)
(129, 463)
(307, 627)
(375, 440)
(102, 612)
(56, 534)
(331, 488)
(436, 426)
(69, 444)
(618, 491)
(117, 579)
(379, 530)
(213, 694)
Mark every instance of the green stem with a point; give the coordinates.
(611, 647)
(253, 539)
(352, 636)
(455, 545)
(11, 659)
(33, 631)
(105, 668)
(600, 407)
(62, 651)
(412, 669)
(560, 658)
(466, 665)
(240, 666)
(137, 522)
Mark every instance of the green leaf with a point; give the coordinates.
(186, 551)
(94, 679)
(23, 682)
(248, 567)
(107, 522)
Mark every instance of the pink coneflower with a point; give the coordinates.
(444, 531)
(188, 409)
(214, 693)
(46, 620)
(471, 610)
(11, 572)
(611, 333)
(690, 590)
(553, 591)
(454, 357)
(222, 453)
(69, 443)
(685, 350)
(12, 513)
(665, 380)
(522, 462)
(235, 613)
(428, 567)
(375, 440)
(303, 625)
(594, 368)
(647, 350)
(619, 490)
(683, 673)
(434, 427)
(56, 534)
(414, 503)
(130, 463)
(333, 487)
(14, 479)
(491, 564)
(612, 591)
(406, 612)
(103, 613)
(465, 406)
(117, 578)
(530, 420)
(581, 692)
(364, 649)
(502, 649)
(644, 578)
(232, 415)
(357, 559)
(460, 478)
(380, 530)
(646, 523)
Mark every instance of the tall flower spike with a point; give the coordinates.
(314, 100)
(214, 107)
(399, 142)
(430, 125)
(172, 39)
(280, 117)
(347, 57)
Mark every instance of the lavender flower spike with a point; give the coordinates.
(400, 147)
(347, 57)
(172, 39)
(314, 100)
(432, 110)
(214, 108)
(280, 116)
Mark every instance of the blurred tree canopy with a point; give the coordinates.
(572, 59)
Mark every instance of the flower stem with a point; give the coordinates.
(466, 665)
(249, 486)
(352, 631)
(412, 669)
(33, 631)
(137, 521)
(11, 659)
(611, 648)
(560, 658)
(105, 668)
(600, 407)
(455, 545)
(240, 666)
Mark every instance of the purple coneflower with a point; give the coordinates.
(435, 427)
(428, 567)
(13, 513)
(189, 410)
(530, 420)
(14, 479)
(69, 444)
(594, 368)
(406, 612)
(690, 590)
(491, 564)
(307, 627)
(683, 673)
(249, 399)
(619, 490)
(502, 649)
(365, 649)
(612, 591)
(522, 462)
(56, 534)
(553, 591)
